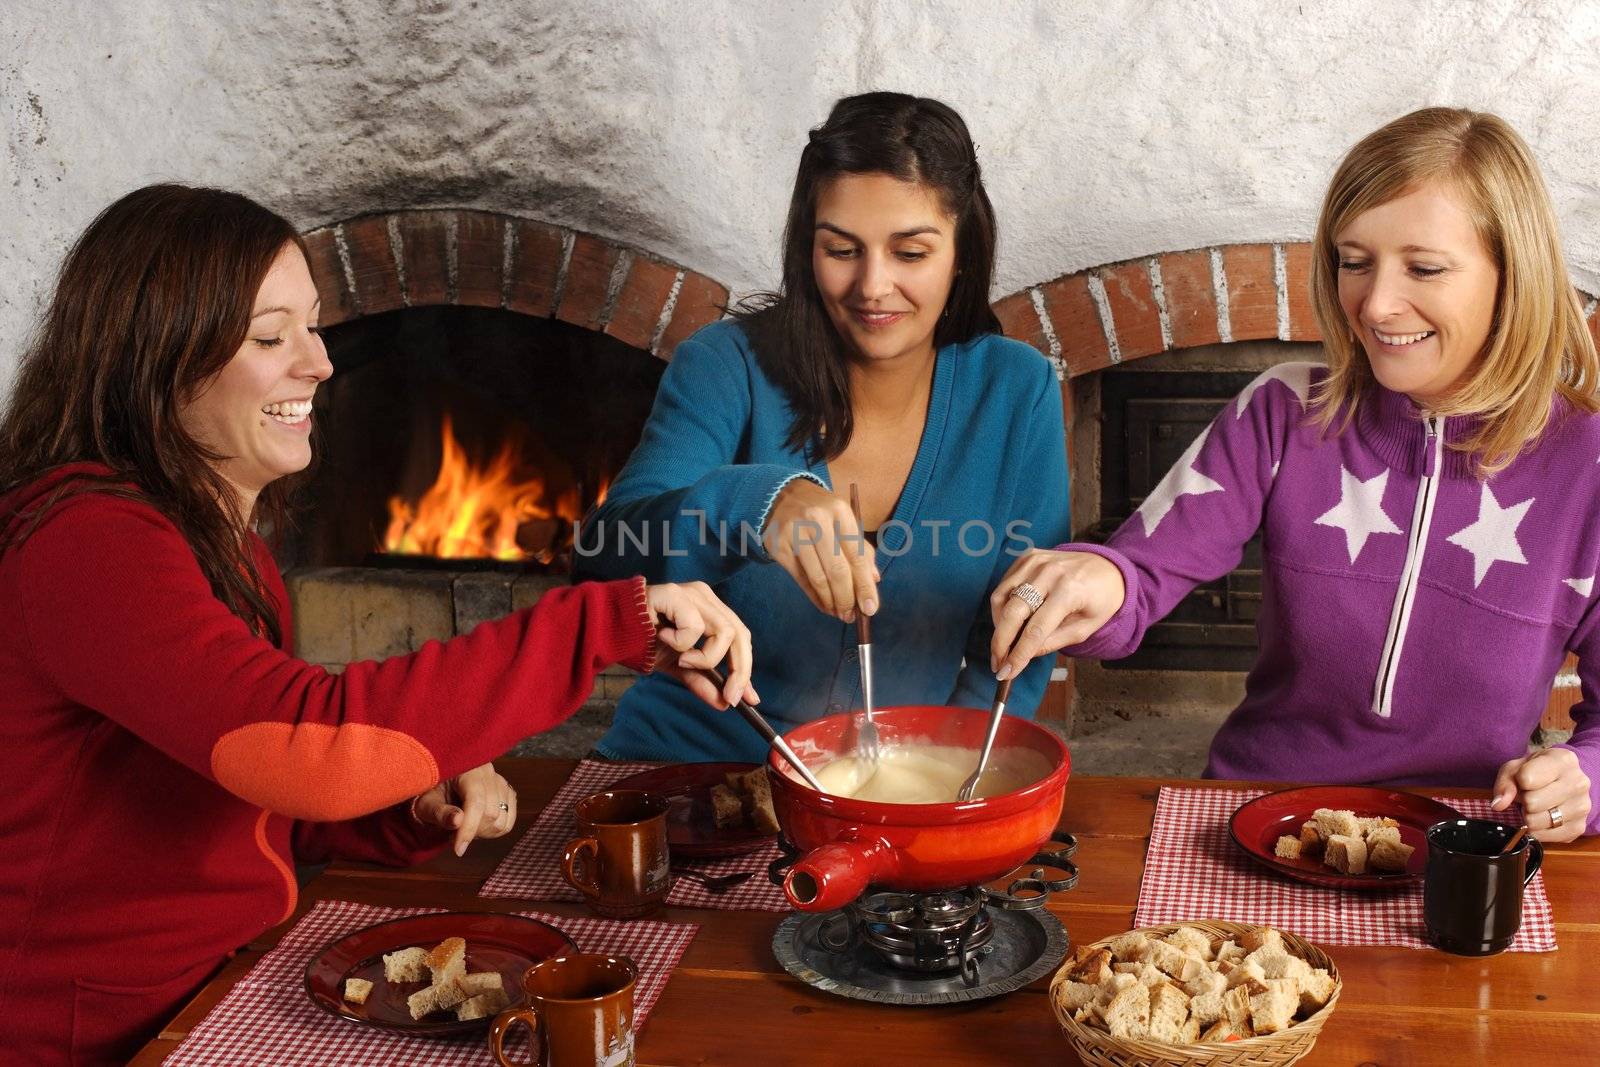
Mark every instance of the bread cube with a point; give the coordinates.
(1248, 976)
(356, 990)
(1188, 939)
(440, 997)
(1386, 856)
(483, 1005)
(1332, 823)
(1346, 854)
(1236, 1009)
(1310, 840)
(1128, 1014)
(1208, 981)
(1093, 966)
(726, 807)
(1274, 1010)
(1176, 962)
(480, 982)
(1073, 996)
(1221, 1030)
(407, 965)
(1190, 1033)
(1390, 834)
(1131, 946)
(1253, 940)
(1316, 986)
(1287, 848)
(447, 962)
(1230, 950)
(1206, 1008)
(1169, 1010)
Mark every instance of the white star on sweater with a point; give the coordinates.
(1359, 512)
(1493, 538)
(1582, 586)
(1297, 376)
(1181, 480)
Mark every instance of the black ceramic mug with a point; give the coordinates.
(1472, 895)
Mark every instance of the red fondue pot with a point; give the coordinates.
(849, 844)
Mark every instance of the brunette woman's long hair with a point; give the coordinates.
(914, 139)
(152, 302)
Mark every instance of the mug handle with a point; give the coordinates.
(586, 849)
(1535, 858)
(501, 1027)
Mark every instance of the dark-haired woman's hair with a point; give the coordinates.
(152, 302)
(913, 139)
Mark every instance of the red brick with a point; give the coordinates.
(639, 304)
(372, 264)
(322, 250)
(1252, 291)
(1020, 320)
(425, 252)
(700, 302)
(480, 258)
(1077, 324)
(535, 266)
(1297, 274)
(1133, 310)
(588, 279)
(1191, 298)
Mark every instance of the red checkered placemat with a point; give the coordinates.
(269, 1018)
(532, 870)
(1194, 870)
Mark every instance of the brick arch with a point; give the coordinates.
(1117, 312)
(381, 262)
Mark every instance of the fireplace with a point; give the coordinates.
(498, 365)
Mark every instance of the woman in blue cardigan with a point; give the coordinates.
(878, 364)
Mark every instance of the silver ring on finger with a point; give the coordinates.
(505, 809)
(1029, 596)
(1556, 818)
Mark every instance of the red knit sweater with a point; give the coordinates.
(165, 768)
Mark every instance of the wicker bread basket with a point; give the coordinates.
(1098, 1048)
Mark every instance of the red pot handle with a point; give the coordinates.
(833, 875)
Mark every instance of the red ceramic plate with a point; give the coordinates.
(1257, 826)
(509, 944)
(692, 831)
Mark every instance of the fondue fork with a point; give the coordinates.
(764, 728)
(1002, 691)
(867, 733)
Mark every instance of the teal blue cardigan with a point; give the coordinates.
(988, 482)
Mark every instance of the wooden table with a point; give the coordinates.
(730, 1003)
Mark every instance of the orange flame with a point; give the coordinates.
(470, 512)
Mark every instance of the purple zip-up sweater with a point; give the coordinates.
(1412, 615)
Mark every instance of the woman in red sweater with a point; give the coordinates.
(169, 759)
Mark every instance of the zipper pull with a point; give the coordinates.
(1430, 455)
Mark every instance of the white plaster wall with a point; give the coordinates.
(1107, 129)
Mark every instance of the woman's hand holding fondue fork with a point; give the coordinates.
(1048, 601)
(815, 537)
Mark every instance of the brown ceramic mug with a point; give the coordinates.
(580, 1012)
(620, 864)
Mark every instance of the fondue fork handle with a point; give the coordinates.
(867, 736)
(764, 728)
(1001, 693)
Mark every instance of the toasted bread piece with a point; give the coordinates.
(1188, 939)
(1131, 946)
(1287, 848)
(1346, 854)
(1253, 940)
(407, 965)
(1236, 1009)
(480, 982)
(1230, 950)
(483, 1005)
(1248, 976)
(1381, 822)
(439, 997)
(1128, 1014)
(1310, 840)
(726, 808)
(1274, 1010)
(1387, 856)
(1094, 967)
(763, 816)
(1074, 996)
(1206, 1008)
(447, 962)
(1390, 834)
(356, 990)
(1221, 1030)
(1207, 981)
(1175, 961)
(1169, 1010)
(1316, 986)
(1332, 823)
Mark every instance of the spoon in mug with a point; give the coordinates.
(1516, 839)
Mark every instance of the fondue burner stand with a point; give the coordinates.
(943, 947)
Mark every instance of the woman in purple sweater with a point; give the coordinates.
(1427, 499)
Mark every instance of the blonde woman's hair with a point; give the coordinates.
(1538, 345)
